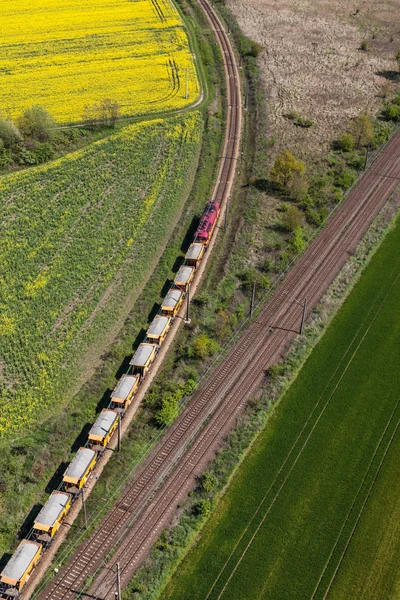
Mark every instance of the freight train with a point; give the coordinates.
(18, 570)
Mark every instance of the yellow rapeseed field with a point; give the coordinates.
(71, 53)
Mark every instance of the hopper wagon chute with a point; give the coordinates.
(102, 429)
(207, 223)
(49, 519)
(143, 358)
(171, 303)
(158, 329)
(124, 392)
(18, 569)
(79, 470)
(194, 254)
(184, 277)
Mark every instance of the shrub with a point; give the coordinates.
(345, 179)
(9, 134)
(37, 122)
(292, 218)
(392, 112)
(43, 152)
(203, 346)
(208, 482)
(203, 507)
(345, 142)
(297, 241)
(364, 45)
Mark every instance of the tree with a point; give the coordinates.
(398, 57)
(109, 112)
(38, 123)
(286, 169)
(9, 134)
(168, 410)
(392, 112)
(362, 130)
(105, 113)
(292, 218)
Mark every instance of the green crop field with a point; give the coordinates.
(313, 512)
(79, 237)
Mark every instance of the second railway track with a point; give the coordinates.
(148, 503)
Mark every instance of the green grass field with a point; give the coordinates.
(313, 511)
(79, 238)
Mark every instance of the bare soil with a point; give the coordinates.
(312, 63)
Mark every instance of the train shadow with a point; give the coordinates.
(188, 239)
(29, 520)
(4, 560)
(56, 478)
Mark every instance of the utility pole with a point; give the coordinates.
(303, 316)
(84, 507)
(253, 296)
(366, 158)
(119, 433)
(118, 592)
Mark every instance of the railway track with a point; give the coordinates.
(165, 477)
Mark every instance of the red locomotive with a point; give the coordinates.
(207, 223)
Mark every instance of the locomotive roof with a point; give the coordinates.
(103, 423)
(51, 511)
(194, 251)
(142, 355)
(184, 274)
(172, 298)
(158, 326)
(124, 387)
(80, 463)
(21, 559)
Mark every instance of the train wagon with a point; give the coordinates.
(207, 223)
(143, 357)
(102, 429)
(194, 254)
(124, 392)
(184, 277)
(158, 329)
(18, 569)
(49, 519)
(79, 470)
(172, 303)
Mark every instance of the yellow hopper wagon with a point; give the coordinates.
(18, 569)
(184, 277)
(158, 329)
(123, 394)
(50, 517)
(79, 470)
(194, 254)
(102, 429)
(143, 358)
(171, 303)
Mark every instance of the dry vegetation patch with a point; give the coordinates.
(312, 63)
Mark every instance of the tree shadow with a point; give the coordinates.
(390, 75)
